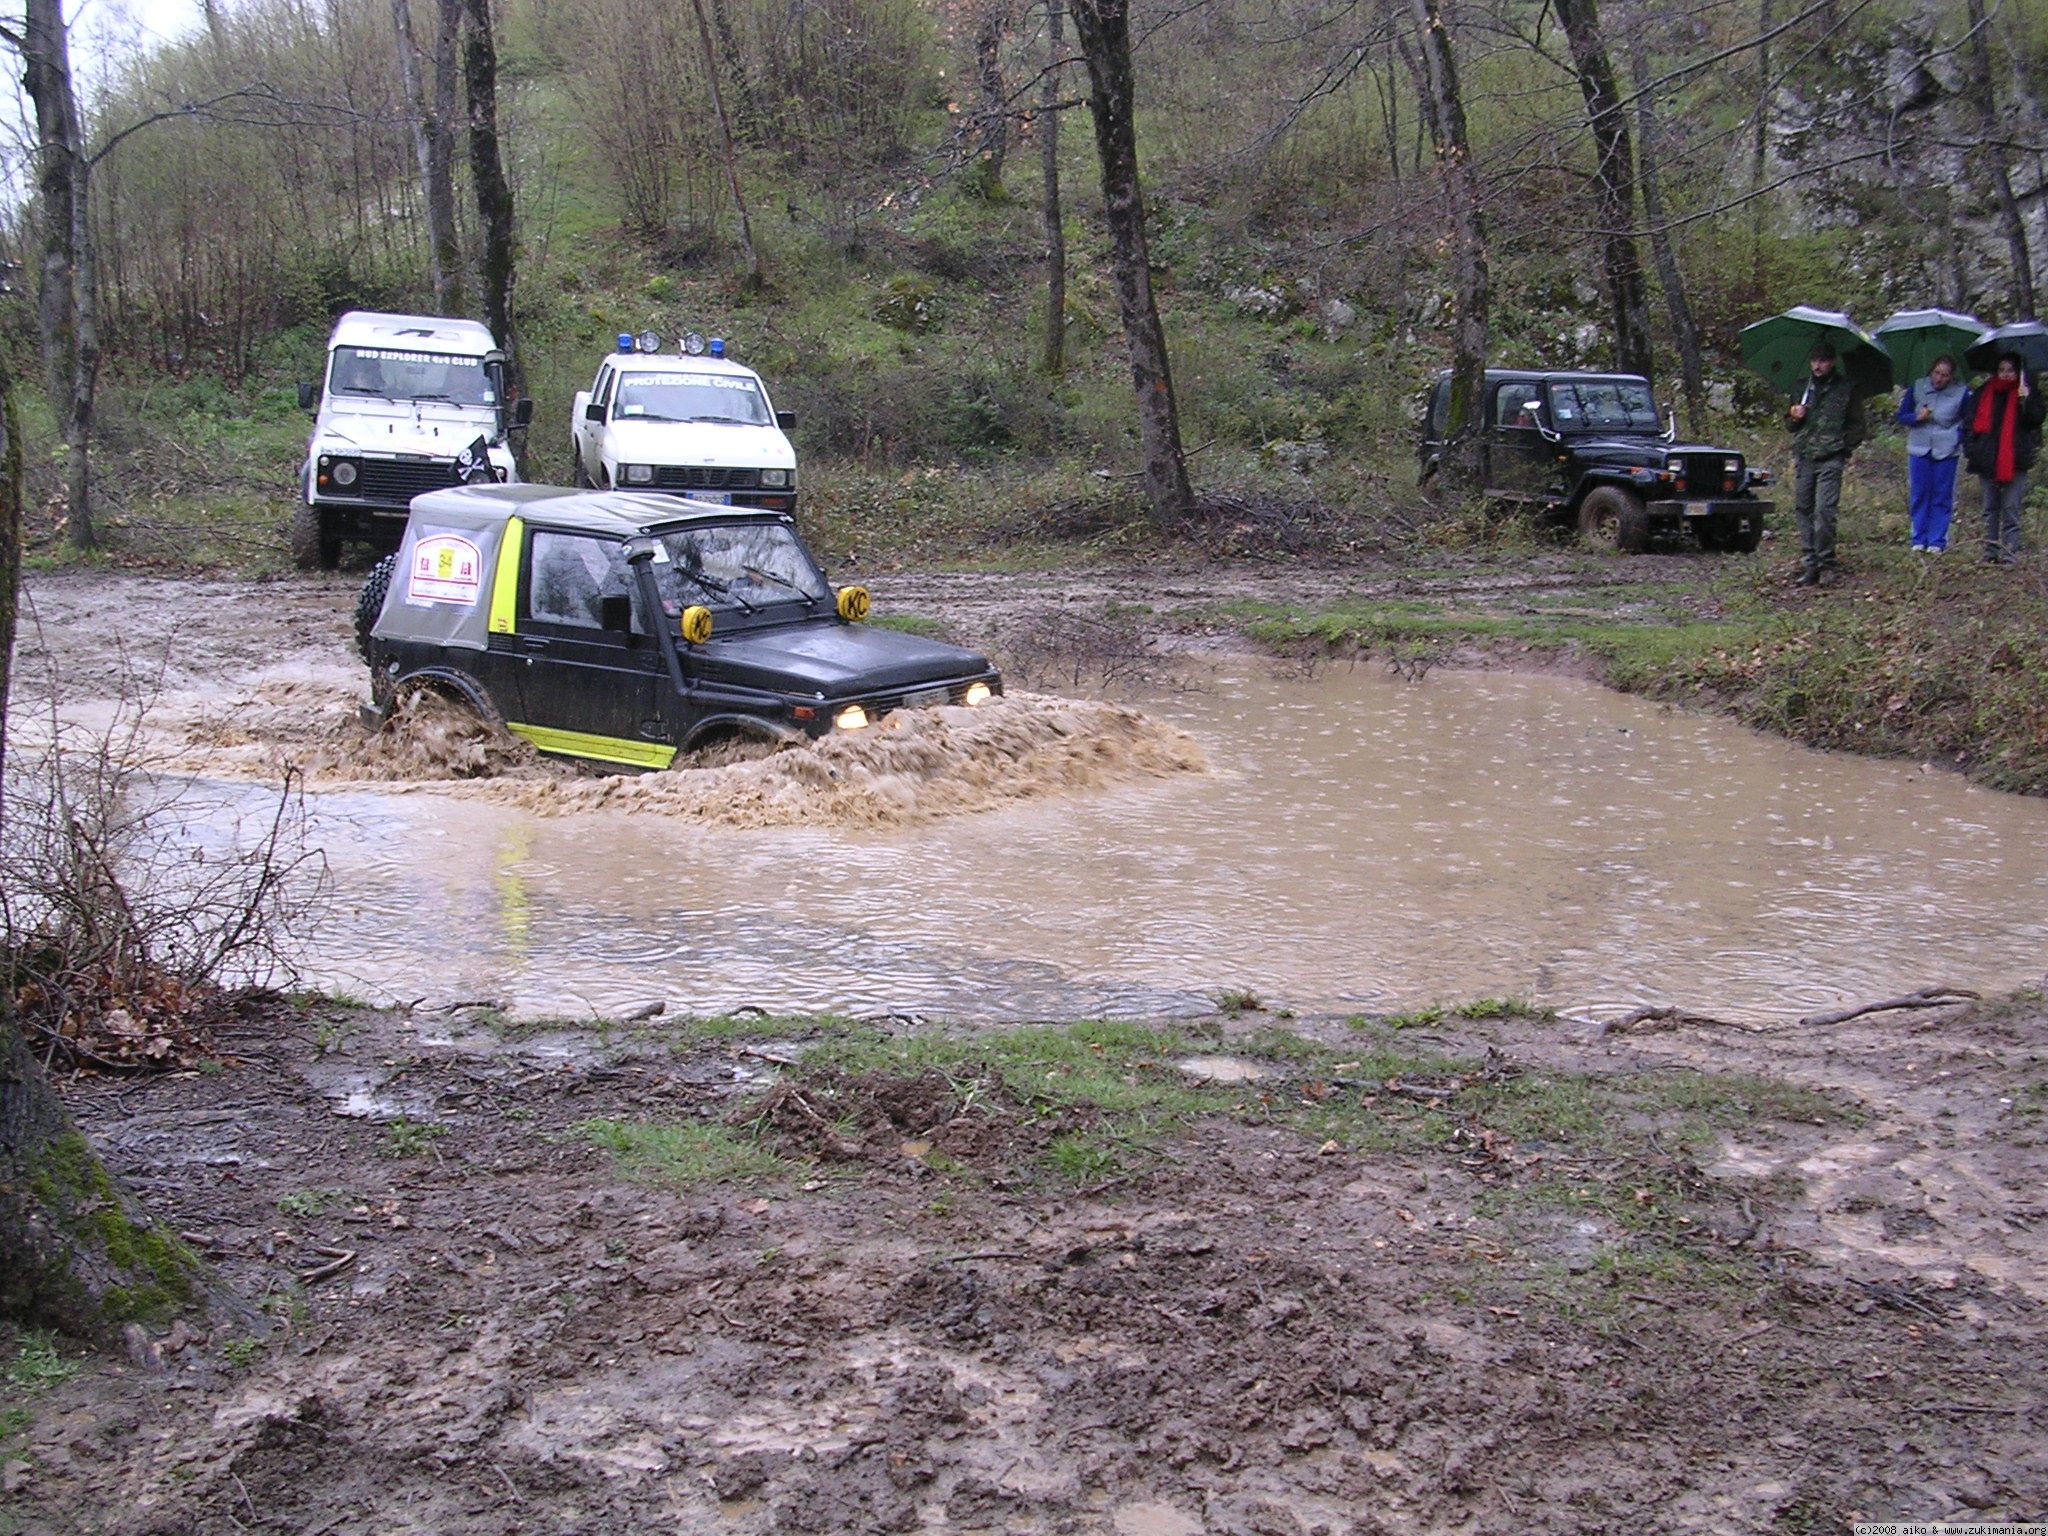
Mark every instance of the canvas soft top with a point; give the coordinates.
(455, 579)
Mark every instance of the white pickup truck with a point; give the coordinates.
(409, 403)
(690, 423)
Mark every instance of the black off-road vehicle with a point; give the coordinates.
(623, 627)
(1592, 449)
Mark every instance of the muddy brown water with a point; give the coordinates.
(1356, 842)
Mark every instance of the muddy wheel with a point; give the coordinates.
(582, 476)
(1613, 519)
(370, 601)
(313, 548)
(1742, 538)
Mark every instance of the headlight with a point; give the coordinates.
(637, 474)
(776, 478)
(1731, 466)
(851, 718)
(977, 693)
(1674, 466)
(344, 473)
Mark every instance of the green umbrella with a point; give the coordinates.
(1916, 337)
(1776, 349)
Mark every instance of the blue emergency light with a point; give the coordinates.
(625, 341)
(718, 346)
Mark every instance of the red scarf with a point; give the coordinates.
(1993, 391)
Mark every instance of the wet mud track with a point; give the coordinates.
(1477, 1277)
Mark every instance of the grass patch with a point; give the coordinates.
(682, 1153)
(409, 1138)
(37, 1365)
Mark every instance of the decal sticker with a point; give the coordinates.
(446, 568)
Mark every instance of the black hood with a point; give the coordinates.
(1635, 452)
(836, 659)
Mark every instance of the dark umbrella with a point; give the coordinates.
(2029, 338)
(1776, 349)
(1916, 337)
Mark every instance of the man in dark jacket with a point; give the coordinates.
(1827, 425)
(2001, 439)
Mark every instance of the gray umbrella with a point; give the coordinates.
(2029, 338)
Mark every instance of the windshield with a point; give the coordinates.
(734, 565)
(689, 396)
(387, 374)
(1605, 403)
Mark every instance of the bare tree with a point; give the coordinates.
(1472, 283)
(1998, 168)
(1055, 357)
(67, 298)
(1614, 176)
(1670, 276)
(431, 106)
(992, 146)
(496, 269)
(1103, 28)
(755, 280)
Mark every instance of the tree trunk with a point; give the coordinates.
(992, 144)
(1472, 284)
(496, 269)
(441, 153)
(1760, 144)
(755, 280)
(1684, 333)
(440, 269)
(65, 301)
(1103, 29)
(1997, 165)
(1055, 360)
(746, 112)
(1614, 173)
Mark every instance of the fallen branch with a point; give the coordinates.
(341, 1259)
(1642, 1021)
(1926, 997)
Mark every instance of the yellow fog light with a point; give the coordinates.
(851, 718)
(977, 693)
(853, 604)
(696, 624)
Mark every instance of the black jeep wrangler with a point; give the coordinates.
(1591, 449)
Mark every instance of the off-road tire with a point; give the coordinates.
(313, 548)
(370, 601)
(1614, 519)
(1735, 538)
(582, 478)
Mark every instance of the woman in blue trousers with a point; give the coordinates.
(1932, 414)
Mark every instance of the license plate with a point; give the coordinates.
(924, 698)
(1698, 508)
(716, 498)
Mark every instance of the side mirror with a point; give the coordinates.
(615, 614)
(306, 396)
(593, 412)
(522, 412)
(786, 420)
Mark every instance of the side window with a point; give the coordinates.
(1439, 407)
(1515, 405)
(605, 378)
(572, 574)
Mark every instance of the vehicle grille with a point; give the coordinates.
(400, 480)
(956, 693)
(704, 477)
(1705, 475)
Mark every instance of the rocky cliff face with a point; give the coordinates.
(1887, 137)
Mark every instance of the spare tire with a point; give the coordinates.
(370, 601)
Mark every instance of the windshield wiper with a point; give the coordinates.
(781, 581)
(731, 421)
(713, 585)
(450, 399)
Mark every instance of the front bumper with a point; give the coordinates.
(1731, 508)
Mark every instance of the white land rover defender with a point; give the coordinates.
(690, 422)
(410, 403)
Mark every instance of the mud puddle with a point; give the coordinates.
(1356, 843)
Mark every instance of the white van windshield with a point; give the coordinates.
(385, 373)
(688, 395)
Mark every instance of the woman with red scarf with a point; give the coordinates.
(2001, 440)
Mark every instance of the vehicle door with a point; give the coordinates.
(590, 434)
(1518, 458)
(588, 686)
